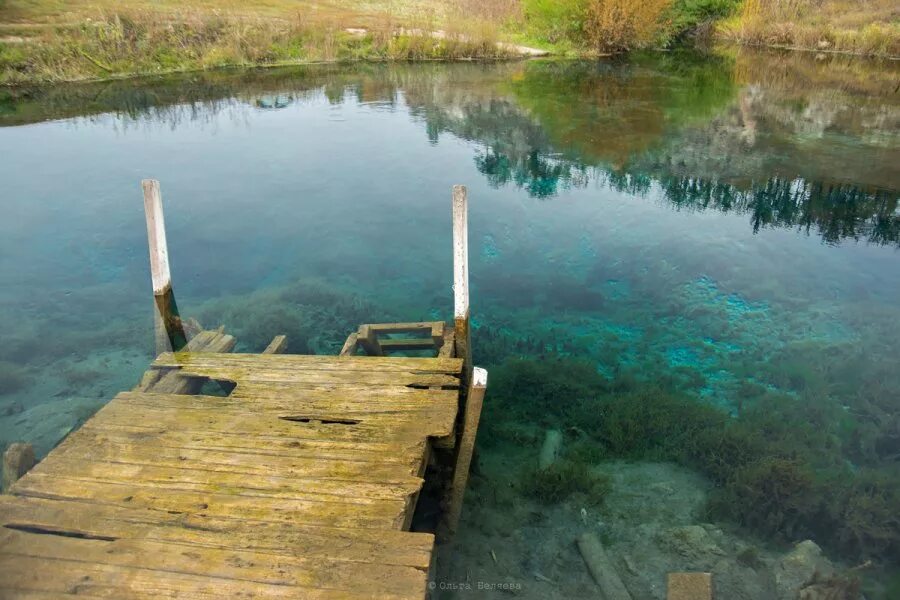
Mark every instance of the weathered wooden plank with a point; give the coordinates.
(103, 521)
(324, 376)
(173, 382)
(437, 333)
(400, 431)
(447, 348)
(310, 362)
(470, 419)
(278, 399)
(228, 564)
(368, 339)
(383, 514)
(278, 345)
(324, 447)
(398, 345)
(35, 595)
(349, 348)
(419, 326)
(26, 573)
(267, 390)
(689, 586)
(196, 478)
(358, 469)
(387, 426)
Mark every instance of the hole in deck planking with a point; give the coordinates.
(59, 532)
(217, 387)
(328, 421)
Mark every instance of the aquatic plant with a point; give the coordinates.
(562, 479)
(772, 496)
(862, 509)
(315, 315)
(779, 466)
(543, 391)
(13, 377)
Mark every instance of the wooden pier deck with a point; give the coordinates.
(265, 475)
(299, 483)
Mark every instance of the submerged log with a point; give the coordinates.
(601, 568)
(17, 460)
(551, 449)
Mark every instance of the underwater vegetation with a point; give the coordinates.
(12, 377)
(315, 315)
(779, 466)
(562, 479)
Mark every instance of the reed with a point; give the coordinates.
(139, 42)
(868, 28)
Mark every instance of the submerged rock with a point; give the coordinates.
(798, 568)
(693, 542)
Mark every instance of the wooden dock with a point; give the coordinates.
(252, 475)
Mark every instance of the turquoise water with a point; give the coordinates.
(722, 229)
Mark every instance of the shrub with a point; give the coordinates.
(689, 15)
(619, 25)
(556, 20)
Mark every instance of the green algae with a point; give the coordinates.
(563, 479)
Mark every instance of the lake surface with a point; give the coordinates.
(725, 227)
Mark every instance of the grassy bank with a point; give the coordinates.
(869, 28)
(100, 44)
(50, 41)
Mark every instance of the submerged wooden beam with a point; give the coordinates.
(601, 568)
(368, 339)
(349, 348)
(278, 345)
(17, 460)
(474, 402)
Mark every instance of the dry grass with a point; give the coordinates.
(102, 43)
(869, 27)
(619, 25)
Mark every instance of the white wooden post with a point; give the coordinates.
(461, 274)
(169, 329)
(471, 417)
(156, 236)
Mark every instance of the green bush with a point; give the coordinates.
(554, 21)
(686, 15)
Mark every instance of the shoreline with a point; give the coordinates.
(522, 56)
